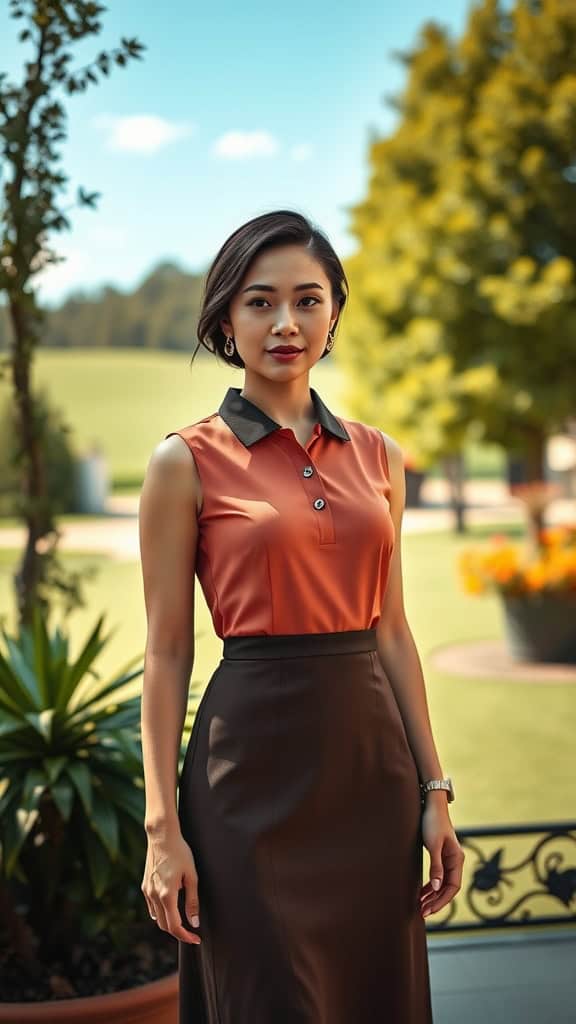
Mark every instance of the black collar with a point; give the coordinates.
(250, 424)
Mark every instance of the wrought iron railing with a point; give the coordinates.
(514, 876)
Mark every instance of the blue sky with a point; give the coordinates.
(235, 109)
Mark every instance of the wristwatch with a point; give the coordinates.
(426, 787)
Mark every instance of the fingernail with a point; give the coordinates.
(195, 922)
(435, 883)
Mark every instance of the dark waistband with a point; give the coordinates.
(299, 645)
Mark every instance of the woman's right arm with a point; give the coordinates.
(168, 530)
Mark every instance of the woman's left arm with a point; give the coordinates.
(396, 647)
(400, 660)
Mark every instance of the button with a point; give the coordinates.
(319, 503)
(308, 471)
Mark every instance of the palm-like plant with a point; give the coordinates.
(72, 844)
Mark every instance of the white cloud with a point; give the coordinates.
(301, 152)
(56, 279)
(141, 133)
(243, 145)
(81, 264)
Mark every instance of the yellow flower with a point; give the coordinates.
(473, 585)
(502, 566)
(556, 536)
(535, 576)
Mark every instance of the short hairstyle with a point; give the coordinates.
(232, 262)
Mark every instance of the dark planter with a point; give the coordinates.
(414, 480)
(541, 627)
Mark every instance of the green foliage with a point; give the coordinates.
(161, 313)
(71, 783)
(57, 458)
(463, 290)
(32, 125)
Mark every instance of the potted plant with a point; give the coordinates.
(537, 586)
(76, 939)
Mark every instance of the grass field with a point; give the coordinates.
(127, 400)
(508, 746)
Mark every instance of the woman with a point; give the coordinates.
(289, 867)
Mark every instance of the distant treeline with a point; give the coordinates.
(161, 313)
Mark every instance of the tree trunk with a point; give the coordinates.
(454, 470)
(36, 505)
(535, 472)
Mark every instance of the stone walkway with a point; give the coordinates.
(528, 977)
(484, 659)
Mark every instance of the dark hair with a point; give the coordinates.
(231, 263)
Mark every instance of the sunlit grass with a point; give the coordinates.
(127, 400)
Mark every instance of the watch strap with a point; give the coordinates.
(431, 784)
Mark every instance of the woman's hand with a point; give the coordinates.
(169, 867)
(446, 856)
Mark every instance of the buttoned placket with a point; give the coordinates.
(310, 478)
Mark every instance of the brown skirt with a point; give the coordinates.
(299, 797)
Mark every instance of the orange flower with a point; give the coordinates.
(503, 567)
(535, 576)
(555, 536)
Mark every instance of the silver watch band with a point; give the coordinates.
(431, 784)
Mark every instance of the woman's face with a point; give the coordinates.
(271, 309)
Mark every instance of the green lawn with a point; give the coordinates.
(508, 746)
(127, 400)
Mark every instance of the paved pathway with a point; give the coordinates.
(116, 533)
(485, 659)
(528, 977)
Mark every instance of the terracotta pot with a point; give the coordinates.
(153, 1003)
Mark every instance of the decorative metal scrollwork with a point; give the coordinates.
(530, 879)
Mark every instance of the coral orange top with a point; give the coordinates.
(292, 539)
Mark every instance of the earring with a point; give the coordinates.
(330, 341)
(229, 346)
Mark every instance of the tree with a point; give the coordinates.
(161, 312)
(463, 297)
(32, 124)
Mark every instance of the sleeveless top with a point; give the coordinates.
(291, 539)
